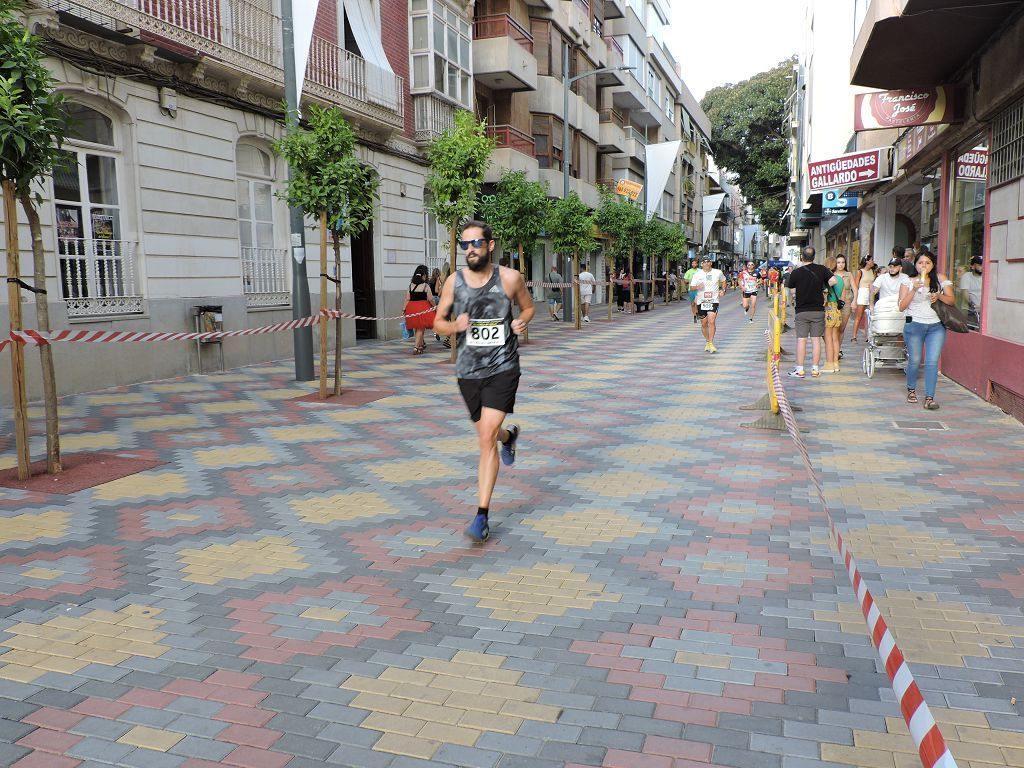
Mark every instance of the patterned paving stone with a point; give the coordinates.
(291, 586)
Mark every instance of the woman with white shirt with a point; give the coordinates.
(923, 332)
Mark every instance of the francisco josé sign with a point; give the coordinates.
(902, 109)
(846, 170)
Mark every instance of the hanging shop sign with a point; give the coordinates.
(973, 165)
(628, 188)
(865, 167)
(904, 108)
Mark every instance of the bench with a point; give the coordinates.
(642, 303)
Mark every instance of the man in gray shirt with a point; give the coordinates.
(479, 297)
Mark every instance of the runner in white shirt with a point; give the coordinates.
(748, 288)
(709, 283)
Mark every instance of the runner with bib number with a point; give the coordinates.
(748, 288)
(709, 285)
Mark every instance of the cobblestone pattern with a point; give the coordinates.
(291, 586)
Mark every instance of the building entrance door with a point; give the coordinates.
(363, 284)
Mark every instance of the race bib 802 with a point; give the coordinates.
(485, 333)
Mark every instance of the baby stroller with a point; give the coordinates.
(885, 347)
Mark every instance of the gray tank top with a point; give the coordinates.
(489, 346)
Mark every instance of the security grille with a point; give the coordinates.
(1007, 156)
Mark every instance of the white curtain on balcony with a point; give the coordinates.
(364, 19)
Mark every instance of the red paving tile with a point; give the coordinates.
(46, 740)
(45, 760)
(250, 736)
(101, 708)
(616, 758)
(234, 713)
(58, 719)
(248, 757)
(677, 748)
(686, 715)
(232, 679)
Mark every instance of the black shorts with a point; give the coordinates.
(497, 392)
(706, 312)
(748, 295)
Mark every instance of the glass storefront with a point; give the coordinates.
(967, 220)
(930, 194)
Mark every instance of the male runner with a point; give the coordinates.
(748, 287)
(687, 276)
(709, 283)
(480, 299)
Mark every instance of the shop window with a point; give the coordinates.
(967, 239)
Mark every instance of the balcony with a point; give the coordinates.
(99, 277)
(630, 96)
(503, 54)
(513, 151)
(613, 9)
(265, 277)
(636, 144)
(243, 39)
(613, 134)
(433, 116)
(613, 59)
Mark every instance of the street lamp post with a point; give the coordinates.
(567, 82)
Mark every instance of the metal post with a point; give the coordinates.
(567, 295)
(302, 338)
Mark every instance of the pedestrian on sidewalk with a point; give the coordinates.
(673, 285)
(862, 291)
(555, 292)
(709, 283)
(419, 306)
(622, 288)
(476, 304)
(587, 282)
(845, 298)
(923, 332)
(833, 318)
(807, 284)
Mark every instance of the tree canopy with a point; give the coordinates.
(620, 219)
(570, 225)
(326, 175)
(458, 160)
(748, 139)
(517, 211)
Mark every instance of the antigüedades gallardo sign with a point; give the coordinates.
(844, 171)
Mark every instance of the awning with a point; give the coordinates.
(888, 54)
(712, 205)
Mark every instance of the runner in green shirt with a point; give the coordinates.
(693, 294)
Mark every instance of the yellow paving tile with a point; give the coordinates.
(324, 614)
(343, 507)
(703, 659)
(133, 398)
(587, 527)
(242, 560)
(619, 484)
(181, 386)
(234, 457)
(90, 441)
(303, 434)
(434, 713)
(545, 713)
(377, 702)
(152, 423)
(20, 674)
(33, 526)
(151, 738)
(143, 484)
(380, 721)
(239, 406)
(423, 694)
(857, 756)
(489, 704)
(528, 604)
(286, 393)
(449, 734)
(487, 721)
(45, 574)
(412, 470)
(896, 545)
(407, 676)
(407, 746)
(370, 685)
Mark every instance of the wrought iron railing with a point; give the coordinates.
(98, 277)
(502, 25)
(432, 117)
(265, 277)
(248, 36)
(512, 138)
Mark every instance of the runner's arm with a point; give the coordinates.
(521, 296)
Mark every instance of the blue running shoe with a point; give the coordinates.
(508, 450)
(478, 530)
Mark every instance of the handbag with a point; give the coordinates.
(951, 317)
(832, 295)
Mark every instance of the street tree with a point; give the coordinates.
(570, 225)
(621, 220)
(32, 128)
(328, 182)
(748, 139)
(459, 158)
(517, 211)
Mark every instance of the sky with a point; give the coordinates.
(726, 41)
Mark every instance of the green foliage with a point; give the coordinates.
(326, 175)
(518, 210)
(32, 118)
(748, 139)
(458, 160)
(570, 225)
(660, 239)
(621, 219)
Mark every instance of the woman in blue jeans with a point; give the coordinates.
(923, 332)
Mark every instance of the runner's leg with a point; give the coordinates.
(753, 306)
(490, 433)
(712, 317)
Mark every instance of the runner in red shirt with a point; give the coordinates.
(748, 288)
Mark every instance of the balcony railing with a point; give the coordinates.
(611, 116)
(265, 277)
(512, 138)
(99, 277)
(635, 135)
(247, 36)
(502, 25)
(613, 48)
(432, 117)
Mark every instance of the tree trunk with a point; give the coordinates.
(611, 284)
(323, 305)
(337, 320)
(53, 464)
(522, 271)
(576, 288)
(632, 282)
(17, 349)
(452, 272)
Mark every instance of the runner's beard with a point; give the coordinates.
(480, 265)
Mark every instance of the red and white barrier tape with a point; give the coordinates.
(41, 338)
(931, 746)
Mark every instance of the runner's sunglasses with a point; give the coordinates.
(477, 243)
